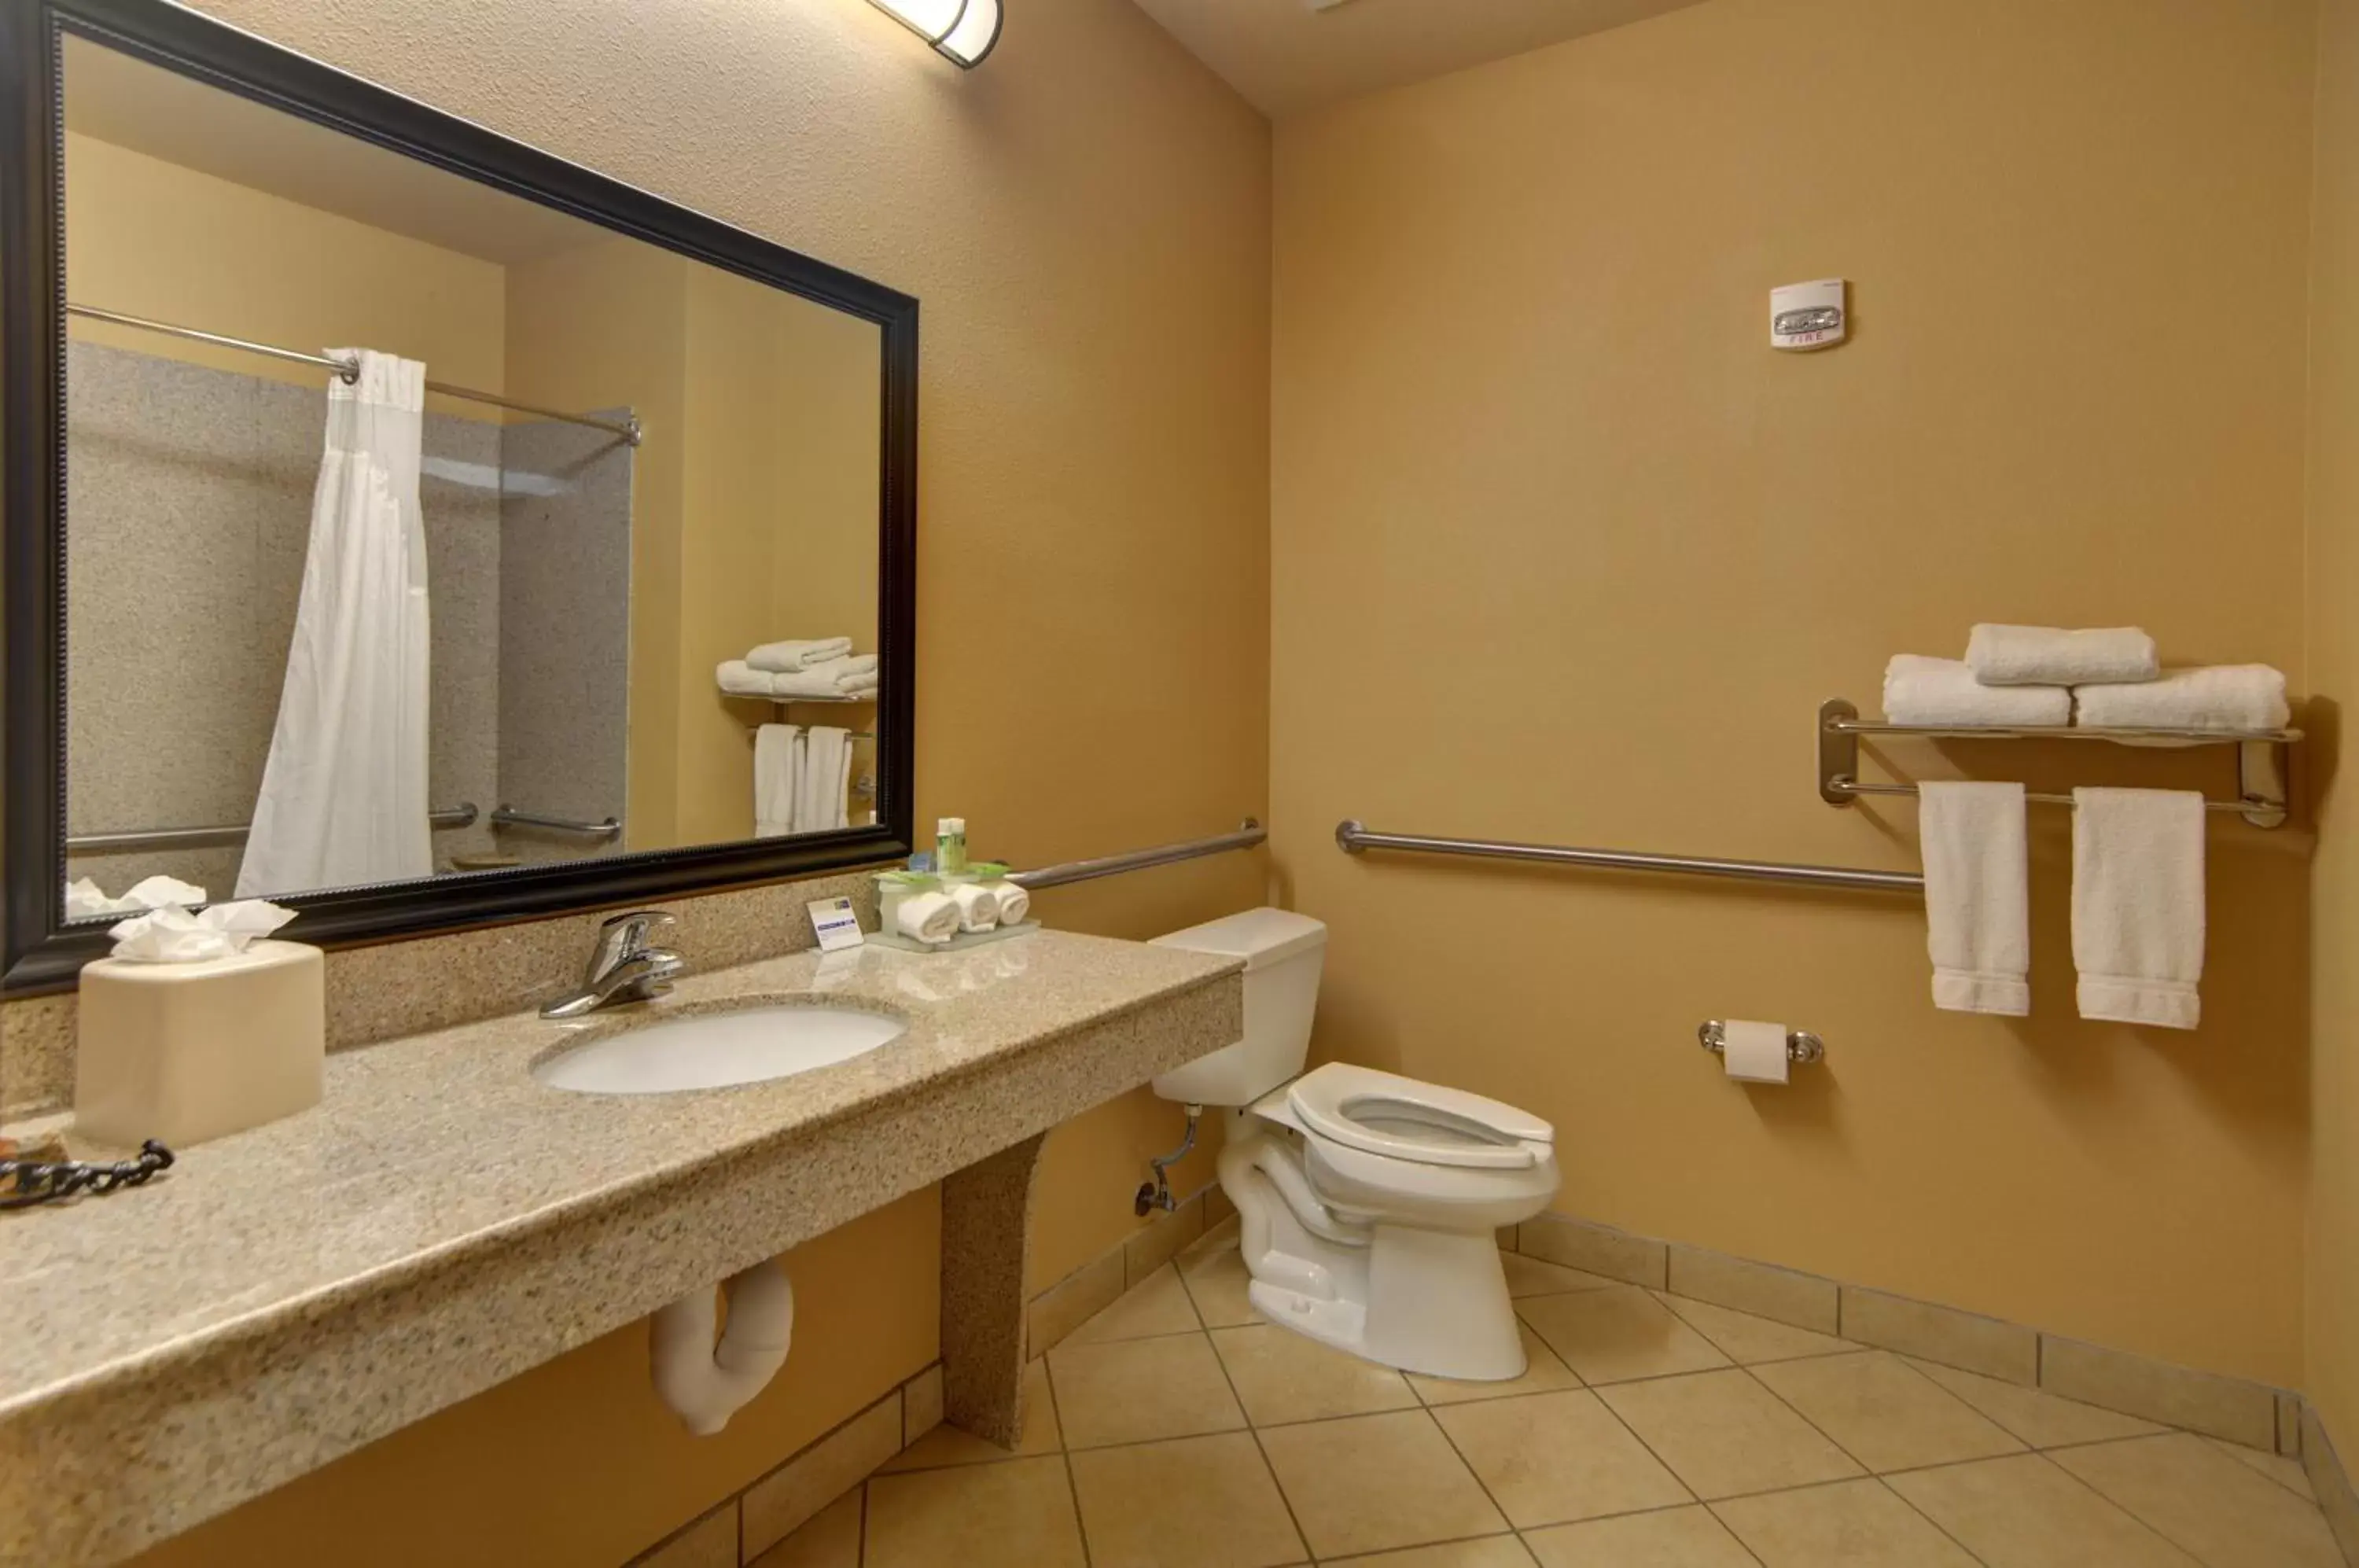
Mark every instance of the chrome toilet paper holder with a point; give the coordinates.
(1800, 1044)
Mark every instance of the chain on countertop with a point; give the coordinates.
(25, 1183)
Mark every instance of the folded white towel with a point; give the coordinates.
(1943, 693)
(927, 917)
(978, 910)
(2215, 697)
(1014, 903)
(785, 657)
(840, 680)
(2045, 656)
(1977, 907)
(739, 678)
(2137, 905)
(819, 788)
(777, 762)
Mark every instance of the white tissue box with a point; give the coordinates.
(190, 1051)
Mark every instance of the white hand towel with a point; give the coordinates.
(927, 917)
(1977, 907)
(978, 910)
(818, 791)
(739, 678)
(1943, 693)
(842, 679)
(1014, 903)
(2215, 697)
(777, 751)
(2045, 656)
(2137, 905)
(785, 657)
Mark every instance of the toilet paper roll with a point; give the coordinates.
(1754, 1052)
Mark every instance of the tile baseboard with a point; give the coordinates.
(1054, 1312)
(2337, 1497)
(2233, 1408)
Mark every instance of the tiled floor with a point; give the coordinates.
(1176, 1430)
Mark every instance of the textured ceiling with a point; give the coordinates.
(1285, 57)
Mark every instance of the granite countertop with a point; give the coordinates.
(431, 1155)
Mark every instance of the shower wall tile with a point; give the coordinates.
(564, 654)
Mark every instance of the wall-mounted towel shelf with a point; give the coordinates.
(2261, 757)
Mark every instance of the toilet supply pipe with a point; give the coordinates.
(706, 1383)
(1156, 1194)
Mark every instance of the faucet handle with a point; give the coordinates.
(625, 936)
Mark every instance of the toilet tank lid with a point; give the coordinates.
(1260, 937)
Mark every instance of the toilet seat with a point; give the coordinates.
(1400, 1118)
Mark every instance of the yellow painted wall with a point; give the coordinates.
(154, 239)
(2333, 1383)
(1563, 552)
(605, 326)
(1086, 221)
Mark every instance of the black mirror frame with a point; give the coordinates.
(39, 950)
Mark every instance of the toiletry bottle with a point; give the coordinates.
(950, 847)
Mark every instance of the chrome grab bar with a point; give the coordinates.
(458, 816)
(509, 817)
(1353, 837)
(1249, 833)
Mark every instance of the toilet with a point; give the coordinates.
(1368, 1202)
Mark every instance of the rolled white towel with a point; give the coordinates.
(927, 917)
(2215, 697)
(1014, 903)
(1942, 693)
(786, 657)
(739, 678)
(978, 910)
(2045, 656)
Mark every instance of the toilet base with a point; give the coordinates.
(1424, 1301)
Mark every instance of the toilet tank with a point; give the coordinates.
(1283, 952)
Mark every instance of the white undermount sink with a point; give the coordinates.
(714, 1050)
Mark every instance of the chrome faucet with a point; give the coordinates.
(623, 967)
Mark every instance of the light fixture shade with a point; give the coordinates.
(963, 31)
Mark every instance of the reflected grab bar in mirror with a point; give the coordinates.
(1249, 833)
(1351, 838)
(509, 816)
(458, 816)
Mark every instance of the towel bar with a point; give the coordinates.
(2261, 757)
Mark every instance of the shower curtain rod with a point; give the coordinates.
(628, 430)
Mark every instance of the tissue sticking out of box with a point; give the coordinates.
(172, 935)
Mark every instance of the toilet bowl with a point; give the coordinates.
(1368, 1204)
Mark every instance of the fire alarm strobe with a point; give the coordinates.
(1808, 315)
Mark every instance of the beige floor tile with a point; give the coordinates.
(1530, 1277)
(1745, 1338)
(1197, 1502)
(2285, 1472)
(1373, 1483)
(2043, 1421)
(1016, 1515)
(1217, 1282)
(2024, 1512)
(2227, 1515)
(1281, 1376)
(1543, 1374)
(831, 1540)
(1157, 1304)
(1490, 1551)
(1723, 1433)
(1669, 1538)
(1141, 1390)
(710, 1542)
(1851, 1524)
(949, 1445)
(1886, 1413)
(1608, 1336)
(1555, 1458)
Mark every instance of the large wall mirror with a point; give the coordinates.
(414, 529)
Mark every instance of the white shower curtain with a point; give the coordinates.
(343, 793)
